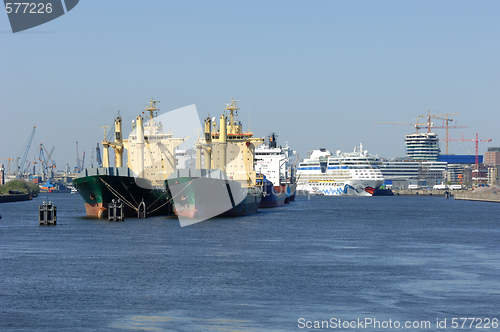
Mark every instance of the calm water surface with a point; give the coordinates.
(385, 258)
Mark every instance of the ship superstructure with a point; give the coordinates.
(224, 182)
(150, 160)
(352, 173)
(271, 162)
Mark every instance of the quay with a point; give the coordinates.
(14, 198)
(426, 192)
(471, 196)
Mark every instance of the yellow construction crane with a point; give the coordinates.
(417, 125)
(446, 123)
(9, 159)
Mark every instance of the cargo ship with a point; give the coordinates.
(226, 185)
(140, 185)
(271, 163)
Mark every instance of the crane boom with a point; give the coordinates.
(23, 160)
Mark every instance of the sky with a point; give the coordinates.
(317, 73)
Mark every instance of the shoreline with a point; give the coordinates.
(8, 198)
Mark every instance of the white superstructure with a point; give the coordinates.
(352, 173)
(271, 161)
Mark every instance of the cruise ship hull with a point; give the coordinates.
(99, 186)
(349, 188)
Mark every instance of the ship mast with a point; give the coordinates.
(233, 128)
(153, 112)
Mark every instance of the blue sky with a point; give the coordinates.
(318, 73)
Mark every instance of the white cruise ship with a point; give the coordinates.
(354, 173)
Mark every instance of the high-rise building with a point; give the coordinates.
(492, 156)
(422, 147)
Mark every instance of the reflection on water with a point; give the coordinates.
(175, 321)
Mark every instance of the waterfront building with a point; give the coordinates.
(400, 173)
(479, 174)
(492, 156)
(493, 178)
(422, 146)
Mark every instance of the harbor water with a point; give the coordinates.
(334, 259)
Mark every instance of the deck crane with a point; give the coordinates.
(23, 160)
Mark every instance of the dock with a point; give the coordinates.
(426, 192)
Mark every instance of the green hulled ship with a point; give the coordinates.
(140, 184)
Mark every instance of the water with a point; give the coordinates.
(384, 258)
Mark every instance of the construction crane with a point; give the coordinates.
(23, 160)
(439, 116)
(417, 125)
(9, 159)
(447, 127)
(477, 140)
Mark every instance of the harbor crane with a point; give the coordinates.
(47, 162)
(98, 156)
(20, 167)
(477, 140)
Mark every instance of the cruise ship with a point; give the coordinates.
(354, 173)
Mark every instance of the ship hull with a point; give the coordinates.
(293, 192)
(349, 188)
(272, 196)
(204, 194)
(99, 186)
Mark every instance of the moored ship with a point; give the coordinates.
(271, 163)
(141, 184)
(226, 185)
(354, 173)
